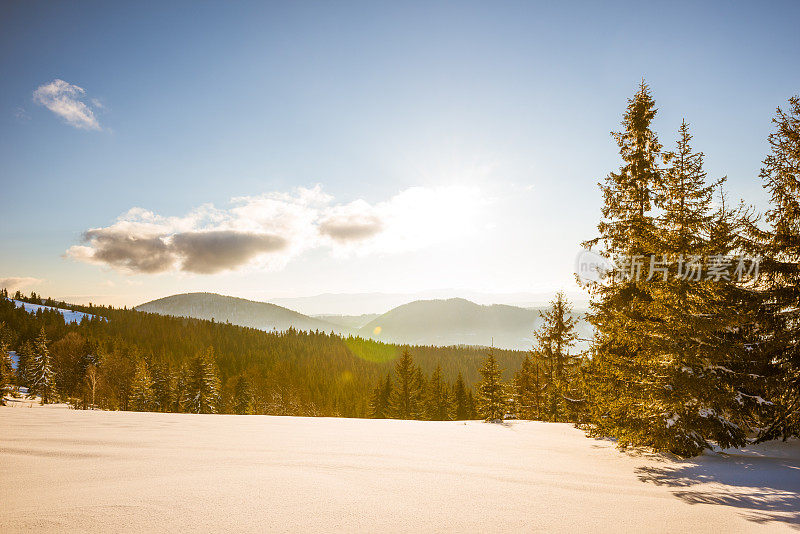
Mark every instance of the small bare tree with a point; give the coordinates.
(91, 380)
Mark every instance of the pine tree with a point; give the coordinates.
(462, 405)
(472, 405)
(780, 247)
(619, 368)
(142, 396)
(555, 337)
(437, 398)
(421, 389)
(182, 393)
(405, 401)
(491, 392)
(380, 402)
(242, 396)
(25, 355)
(43, 375)
(704, 357)
(202, 393)
(685, 198)
(670, 367)
(6, 367)
(627, 225)
(529, 389)
(376, 408)
(6, 371)
(163, 387)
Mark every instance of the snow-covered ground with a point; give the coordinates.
(69, 315)
(66, 470)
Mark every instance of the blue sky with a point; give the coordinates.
(411, 146)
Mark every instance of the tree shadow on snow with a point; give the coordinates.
(767, 489)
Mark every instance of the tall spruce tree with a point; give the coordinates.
(555, 337)
(43, 375)
(6, 371)
(380, 403)
(202, 393)
(529, 388)
(163, 387)
(670, 364)
(697, 340)
(6, 367)
(25, 355)
(242, 396)
(376, 408)
(142, 397)
(181, 379)
(462, 408)
(422, 387)
(407, 391)
(438, 405)
(491, 392)
(620, 369)
(627, 225)
(779, 245)
(472, 405)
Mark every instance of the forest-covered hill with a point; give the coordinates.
(441, 323)
(238, 311)
(291, 372)
(460, 321)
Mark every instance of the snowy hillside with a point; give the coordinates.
(69, 315)
(97, 471)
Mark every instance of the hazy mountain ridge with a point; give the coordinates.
(446, 322)
(355, 304)
(459, 321)
(238, 311)
(349, 321)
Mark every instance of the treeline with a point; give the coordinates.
(548, 385)
(124, 360)
(697, 329)
(128, 360)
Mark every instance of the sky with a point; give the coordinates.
(270, 150)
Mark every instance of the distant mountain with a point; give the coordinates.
(242, 312)
(454, 321)
(349, 321)
(366, 303)
(459, 322)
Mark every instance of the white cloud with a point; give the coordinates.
(269, 230)
(19, 282)
(21, 115)
(66, 101)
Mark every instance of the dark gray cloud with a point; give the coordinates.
(351, 228)
(131, 252)
(194, 252)
(212, 252)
